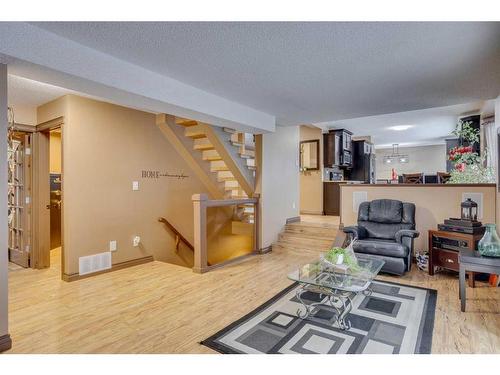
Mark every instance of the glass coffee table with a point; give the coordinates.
(336, 286)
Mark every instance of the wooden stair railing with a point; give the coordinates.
(178, 236)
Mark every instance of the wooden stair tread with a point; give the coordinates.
(194, 132)
(311, 236)
(185, 122)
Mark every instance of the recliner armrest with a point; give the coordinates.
(357, 232)
(406, 233)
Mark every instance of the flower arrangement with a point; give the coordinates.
(469, 165)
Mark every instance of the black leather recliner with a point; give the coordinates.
(386, 229)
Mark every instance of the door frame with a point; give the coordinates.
(40, 255)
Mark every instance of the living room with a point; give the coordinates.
(250, 188)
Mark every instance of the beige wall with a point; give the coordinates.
(433, 203)
(311, 185)
(279, 181)
(105, 148)
(3, 204)
(427, 159)
(55, 152)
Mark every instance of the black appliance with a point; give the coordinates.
(363, 166)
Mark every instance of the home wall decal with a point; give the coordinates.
(157, 174)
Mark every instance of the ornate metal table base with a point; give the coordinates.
(340, 300)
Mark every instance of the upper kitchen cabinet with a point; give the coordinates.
(337, 148)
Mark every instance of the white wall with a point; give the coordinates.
(3, 204)
(280, 181)
(427, 159)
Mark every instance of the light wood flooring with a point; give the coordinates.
(163, 308)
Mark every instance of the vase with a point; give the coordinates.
(489, 245)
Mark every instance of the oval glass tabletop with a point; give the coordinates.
(341, 277)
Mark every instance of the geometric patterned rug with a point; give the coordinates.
(395, 319)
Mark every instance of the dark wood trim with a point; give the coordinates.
(294, 219)
(417, 185)
(5, 343)
(266, 250)
(51, 124)
(114, 267)
(317, 153)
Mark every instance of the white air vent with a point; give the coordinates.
(94, 263)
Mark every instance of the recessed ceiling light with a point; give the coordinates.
(400, 127)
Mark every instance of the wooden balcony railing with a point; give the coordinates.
(200, 205)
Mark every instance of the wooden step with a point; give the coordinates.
(235, 138)
(194, 132)
(225, 176)
(185, 122)
(236, 144)
(231, 185)
(251, 168)
(229, 130)
(239, 227)
(211, 155)
(218, 165)
(296, 248)
(330, 236)
(327, 232)
(250, 162)
(320, 244)
(247, 154)
(202, 144)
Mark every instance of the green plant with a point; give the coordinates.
(466, 132)
(333, 255)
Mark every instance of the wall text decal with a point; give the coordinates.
(158, 174)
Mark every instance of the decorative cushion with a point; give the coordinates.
(381, 247)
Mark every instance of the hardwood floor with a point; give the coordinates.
(163, 308)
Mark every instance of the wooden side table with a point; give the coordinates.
(444, 248)
(473, 261)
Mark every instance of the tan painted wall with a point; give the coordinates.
(433, 204)
(311, 185)
(426, 159)
(105, 148)
(279, 181)
(55, 152)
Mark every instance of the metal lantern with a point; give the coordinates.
(469, 210)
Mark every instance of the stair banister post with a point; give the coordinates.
(200, 232)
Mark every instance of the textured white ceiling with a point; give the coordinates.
(29, 93)
(311, 72)
(427, 126)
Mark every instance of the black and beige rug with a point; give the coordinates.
(394, 319)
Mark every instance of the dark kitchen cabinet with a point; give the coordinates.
(331, 198)
(337, 148)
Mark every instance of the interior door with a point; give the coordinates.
(19, 173)
(40, 256)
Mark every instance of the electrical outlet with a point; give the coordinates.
(135, 185)
(112, 245)
(136, 241)
(293, 205)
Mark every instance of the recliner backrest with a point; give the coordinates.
(382, 218)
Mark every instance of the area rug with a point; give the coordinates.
(395, 319)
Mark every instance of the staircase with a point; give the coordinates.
(228, 182)
(306, 236)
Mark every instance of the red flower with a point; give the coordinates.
(460, 167)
